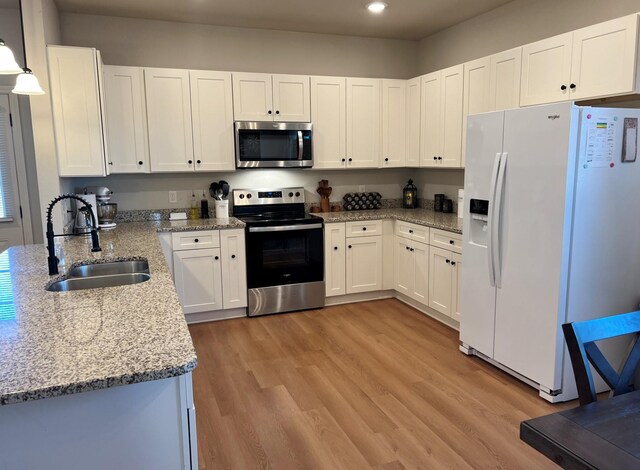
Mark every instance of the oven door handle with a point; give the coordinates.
(300, 146)
(284, 228)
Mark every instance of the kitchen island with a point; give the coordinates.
(54, 345)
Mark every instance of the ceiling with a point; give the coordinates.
(403, 19)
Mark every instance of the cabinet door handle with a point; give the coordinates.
(386, 159)
(233, 256)
(277, 112)
(448, 261)
(351, 159)
(412, 249)
(269, 112)
(344, 160)
(335, 248)
(364, 228)
(198, 162)
(110, 163)
(406, 248)
(216, 258)
(196, 240)
(410, 231)
(572, 86)
(439, 158)
(190, 162)
(140, 163)
(451, 242)
(563, 87)
(453, 263)
(435, 158)
(349, 246)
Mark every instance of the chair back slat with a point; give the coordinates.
(580, 338)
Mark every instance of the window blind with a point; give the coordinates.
(6, 154)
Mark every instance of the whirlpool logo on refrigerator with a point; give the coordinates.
(553, 117)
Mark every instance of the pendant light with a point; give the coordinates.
(8, 64)
(26, 83)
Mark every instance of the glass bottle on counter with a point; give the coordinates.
(195, 212)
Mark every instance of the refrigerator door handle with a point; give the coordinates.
(495, 232)
(492, 198)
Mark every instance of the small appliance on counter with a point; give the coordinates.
(410, 196)
(82, 223)
(447, 206)
(438, 200)
(106, 211)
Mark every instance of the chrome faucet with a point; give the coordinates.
(95, 241)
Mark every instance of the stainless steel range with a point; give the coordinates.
(285, 250)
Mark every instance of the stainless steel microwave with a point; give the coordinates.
(274, 145)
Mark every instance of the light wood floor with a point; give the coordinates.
(368, 385)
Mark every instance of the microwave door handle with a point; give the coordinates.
(300, 146)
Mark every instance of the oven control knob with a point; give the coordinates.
(249, 196)
(241, 196)
(290, 194)
(297, 194)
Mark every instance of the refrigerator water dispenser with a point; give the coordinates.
(479, 210)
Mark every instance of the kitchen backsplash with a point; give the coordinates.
(144, 197)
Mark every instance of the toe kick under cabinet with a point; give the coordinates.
(209, 269)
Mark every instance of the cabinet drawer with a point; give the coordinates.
(418, 233)
(366, 228)
(195, 240)
(447, 240)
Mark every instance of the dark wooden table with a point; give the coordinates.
(603, 435)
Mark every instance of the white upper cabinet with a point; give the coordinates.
(329, 117)
(77, 115)
(504, 82)
(363, 123)
(451, 112)
(591, 62)
(546, 70)
(252, 97)
(169, 119)
(265, 97)
(477, 75)
(291, 98)
(394, 123)
(430, 121)
(441, 133)
(604, 59)
(413, 123)
(125, 119)
(212, 117)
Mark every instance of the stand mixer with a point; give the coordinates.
(106, 210)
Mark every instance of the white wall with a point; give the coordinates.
(152, 43)
(430, 182)
(41, 27)
(514, 24)
(151, 191)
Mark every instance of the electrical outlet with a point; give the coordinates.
(173, 197)
(361, 188)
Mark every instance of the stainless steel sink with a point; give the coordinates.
(109, 269)
(93, 276)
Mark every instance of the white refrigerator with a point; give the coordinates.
(551, 234)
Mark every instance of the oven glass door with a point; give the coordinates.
(281, 257)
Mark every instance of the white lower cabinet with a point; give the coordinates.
(198, 279)
(412, 269)
(335, 259)
(443, 281)
(364, 264)
(209, 270)
(234, 268)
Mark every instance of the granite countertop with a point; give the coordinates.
(59, 343)
(429, 218)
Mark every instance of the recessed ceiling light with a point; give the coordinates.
(376, 7)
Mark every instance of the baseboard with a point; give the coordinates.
(217, 315)
(361, 297)
(450, 322)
